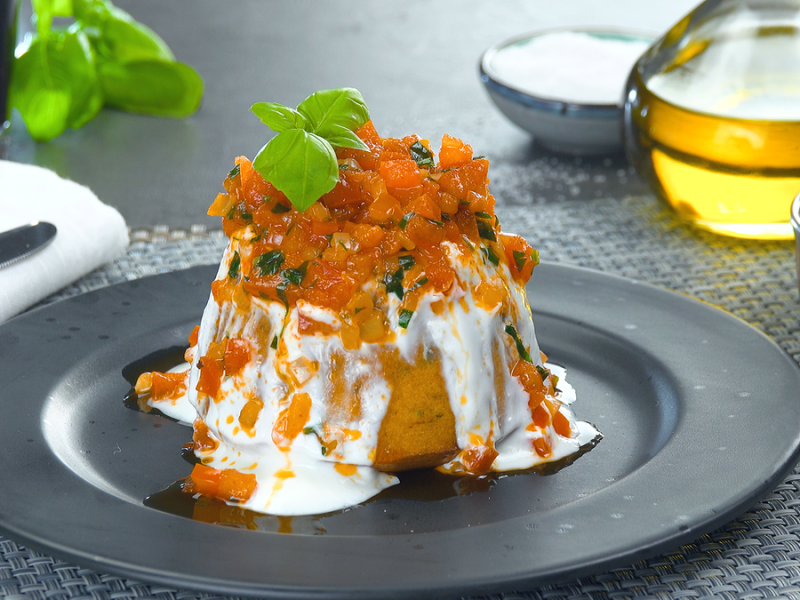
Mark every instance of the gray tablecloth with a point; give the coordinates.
(755, 556)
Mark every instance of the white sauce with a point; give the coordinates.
(569, 65)
(464, 336)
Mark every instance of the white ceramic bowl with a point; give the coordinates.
(578, 125)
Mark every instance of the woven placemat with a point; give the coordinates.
(755, 556)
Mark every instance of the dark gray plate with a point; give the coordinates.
(698, 409)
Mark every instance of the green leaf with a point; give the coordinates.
(43, 13)
(405, 318)
(406, 261)
(327, 109)
(519, 259)
(55, 84)
(279, 117)
(521, 350)
(485, 230)
(62, 8)
(421, 155)
(394, 283)
(341, 136)
(152, 87)
(116, 35)
(269, 263)
(300, 164)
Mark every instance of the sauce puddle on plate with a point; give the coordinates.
(425, 485)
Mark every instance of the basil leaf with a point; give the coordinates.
(521, 350)
(406, 261)
(55, 85)
(43, 13)
(279, 117)
(295, 276)
(233, 269)
(543, 373)
(394, 283)
(300, 164)
(404, 220)
(152, 87)
(519, 259)
(421, 155)
(327, 109)
(117, 36)
(42, 101)
(269, 263)
(62, 8)
(485, 230)
(405, 318)
(418, 284)
(341, 136)
(490, 255)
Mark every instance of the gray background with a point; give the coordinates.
(414, 61)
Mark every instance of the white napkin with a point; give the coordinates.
(90, 234)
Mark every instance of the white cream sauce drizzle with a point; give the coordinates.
(300, 479)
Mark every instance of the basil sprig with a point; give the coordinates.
(65, 76)
(300, 160)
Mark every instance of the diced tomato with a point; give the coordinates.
(453, 153)
(237, 355)
(291, 420)
(167, 385)
(400, 174)
(226, 484)
(254, 187)
(521, 258)
(478, 459)
(193, 335)
(211, 372)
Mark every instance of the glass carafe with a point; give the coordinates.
(712, 116)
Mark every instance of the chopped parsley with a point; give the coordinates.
(520, 259)
(521, 350)
(406, 261)
(485, 229)
(233, 269)
(421, 155)
(280, 208)
(269, 263)
(295, 276)
(233, 172)
(394, 283)
(405, 317)
(404, 221)
(418, 284)
(490, 255)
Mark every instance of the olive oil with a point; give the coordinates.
(717, 129)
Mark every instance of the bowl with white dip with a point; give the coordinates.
(565, 86)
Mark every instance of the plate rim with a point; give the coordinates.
(480, 583)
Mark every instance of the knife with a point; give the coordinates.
(20, 242)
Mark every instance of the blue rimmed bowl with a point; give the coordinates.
(559, 123)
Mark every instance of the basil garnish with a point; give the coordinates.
(421, 155)
(269, 263)
(394, 283)
(519, 259)
(405, 317)
(485, 230)
(406, 261)
(233, 269)
(300, 160)
(521, 350)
